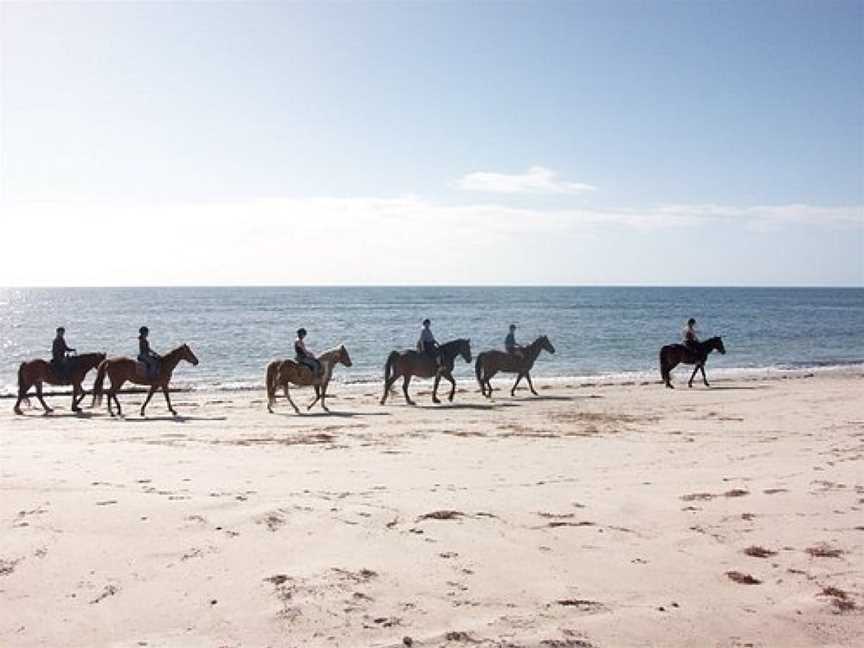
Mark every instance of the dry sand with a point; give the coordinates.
(591, 516)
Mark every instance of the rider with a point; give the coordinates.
(150, 358)
(59, 349)
(510, 343)
(303, 355)
(691, 339)
(428, 344)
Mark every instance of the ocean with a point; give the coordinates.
(597, 331)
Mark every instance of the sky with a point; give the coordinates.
(566, 143)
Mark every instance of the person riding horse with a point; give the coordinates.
(690, 337)
(150, 358)
(428, 344)
(303, 355)
(59, 350)
(510, 343)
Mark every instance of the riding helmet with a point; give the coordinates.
(301, 332)
(143, 330)
(691, 322)
(60, 330)
(427, 322)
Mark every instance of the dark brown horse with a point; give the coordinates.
(413, 363)
(491, 362)
(672, 355)
(121, 370)
(36, 372)
(282, 372)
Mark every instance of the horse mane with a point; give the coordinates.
(330, 352)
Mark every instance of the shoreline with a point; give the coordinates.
(628, 378)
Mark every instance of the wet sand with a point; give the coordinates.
(588, 516)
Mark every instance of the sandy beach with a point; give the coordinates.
(592, 515)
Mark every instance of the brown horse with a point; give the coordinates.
(36, 372)
(672, 355)
(121, 370)
(282, 372)
(413, 363)
(491, 362)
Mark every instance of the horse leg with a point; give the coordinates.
(76, 388)
(666, 371)
(317, 397)
(112, 393)
(388, 385)
(452, 380)
(704, 377)
(487, 383)
(324, 398)
(288, 396)
(435, 388)
(42, 400)
(695, 369)
(22, 396)
(516, 384)
(152, 391)
(168, 400)
(406, 380)
(530, 384)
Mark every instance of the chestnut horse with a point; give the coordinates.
(491, 362)
(35, 372)
(282, 372)
(672, 355)
(414, 363)
(121, 370)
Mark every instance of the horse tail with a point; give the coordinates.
(664, 369)
(99, 383)
(272, 382)
(22, 386)
(478, 370)
(389, 365)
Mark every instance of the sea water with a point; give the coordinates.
(596, 331)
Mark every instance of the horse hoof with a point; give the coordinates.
(173, 413)
(437, 401)
(18, 411)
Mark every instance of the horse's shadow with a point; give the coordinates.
(483, 407)
(732, 388)
(172, 419)
(329, 414)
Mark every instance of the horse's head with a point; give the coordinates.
(546, 345)
(718, 344)
(465, 350)
(187, 355)
(344, 358)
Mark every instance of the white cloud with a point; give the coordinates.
(399, 240)
(537, 179)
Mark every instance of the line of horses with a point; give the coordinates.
(282, 373)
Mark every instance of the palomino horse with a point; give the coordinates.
(35, 372)
(413, 363)
(491, 362)
(282, 372)
(672, 355)
(121, 370)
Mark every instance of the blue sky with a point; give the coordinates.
(565, 143)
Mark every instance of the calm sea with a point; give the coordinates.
(596, 330)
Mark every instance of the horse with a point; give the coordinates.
(491, 362)
(414, 363)
(673, 354)
(35, 372)
(122, 369)
(282, 372)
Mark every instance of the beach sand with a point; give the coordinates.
(592, 515)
